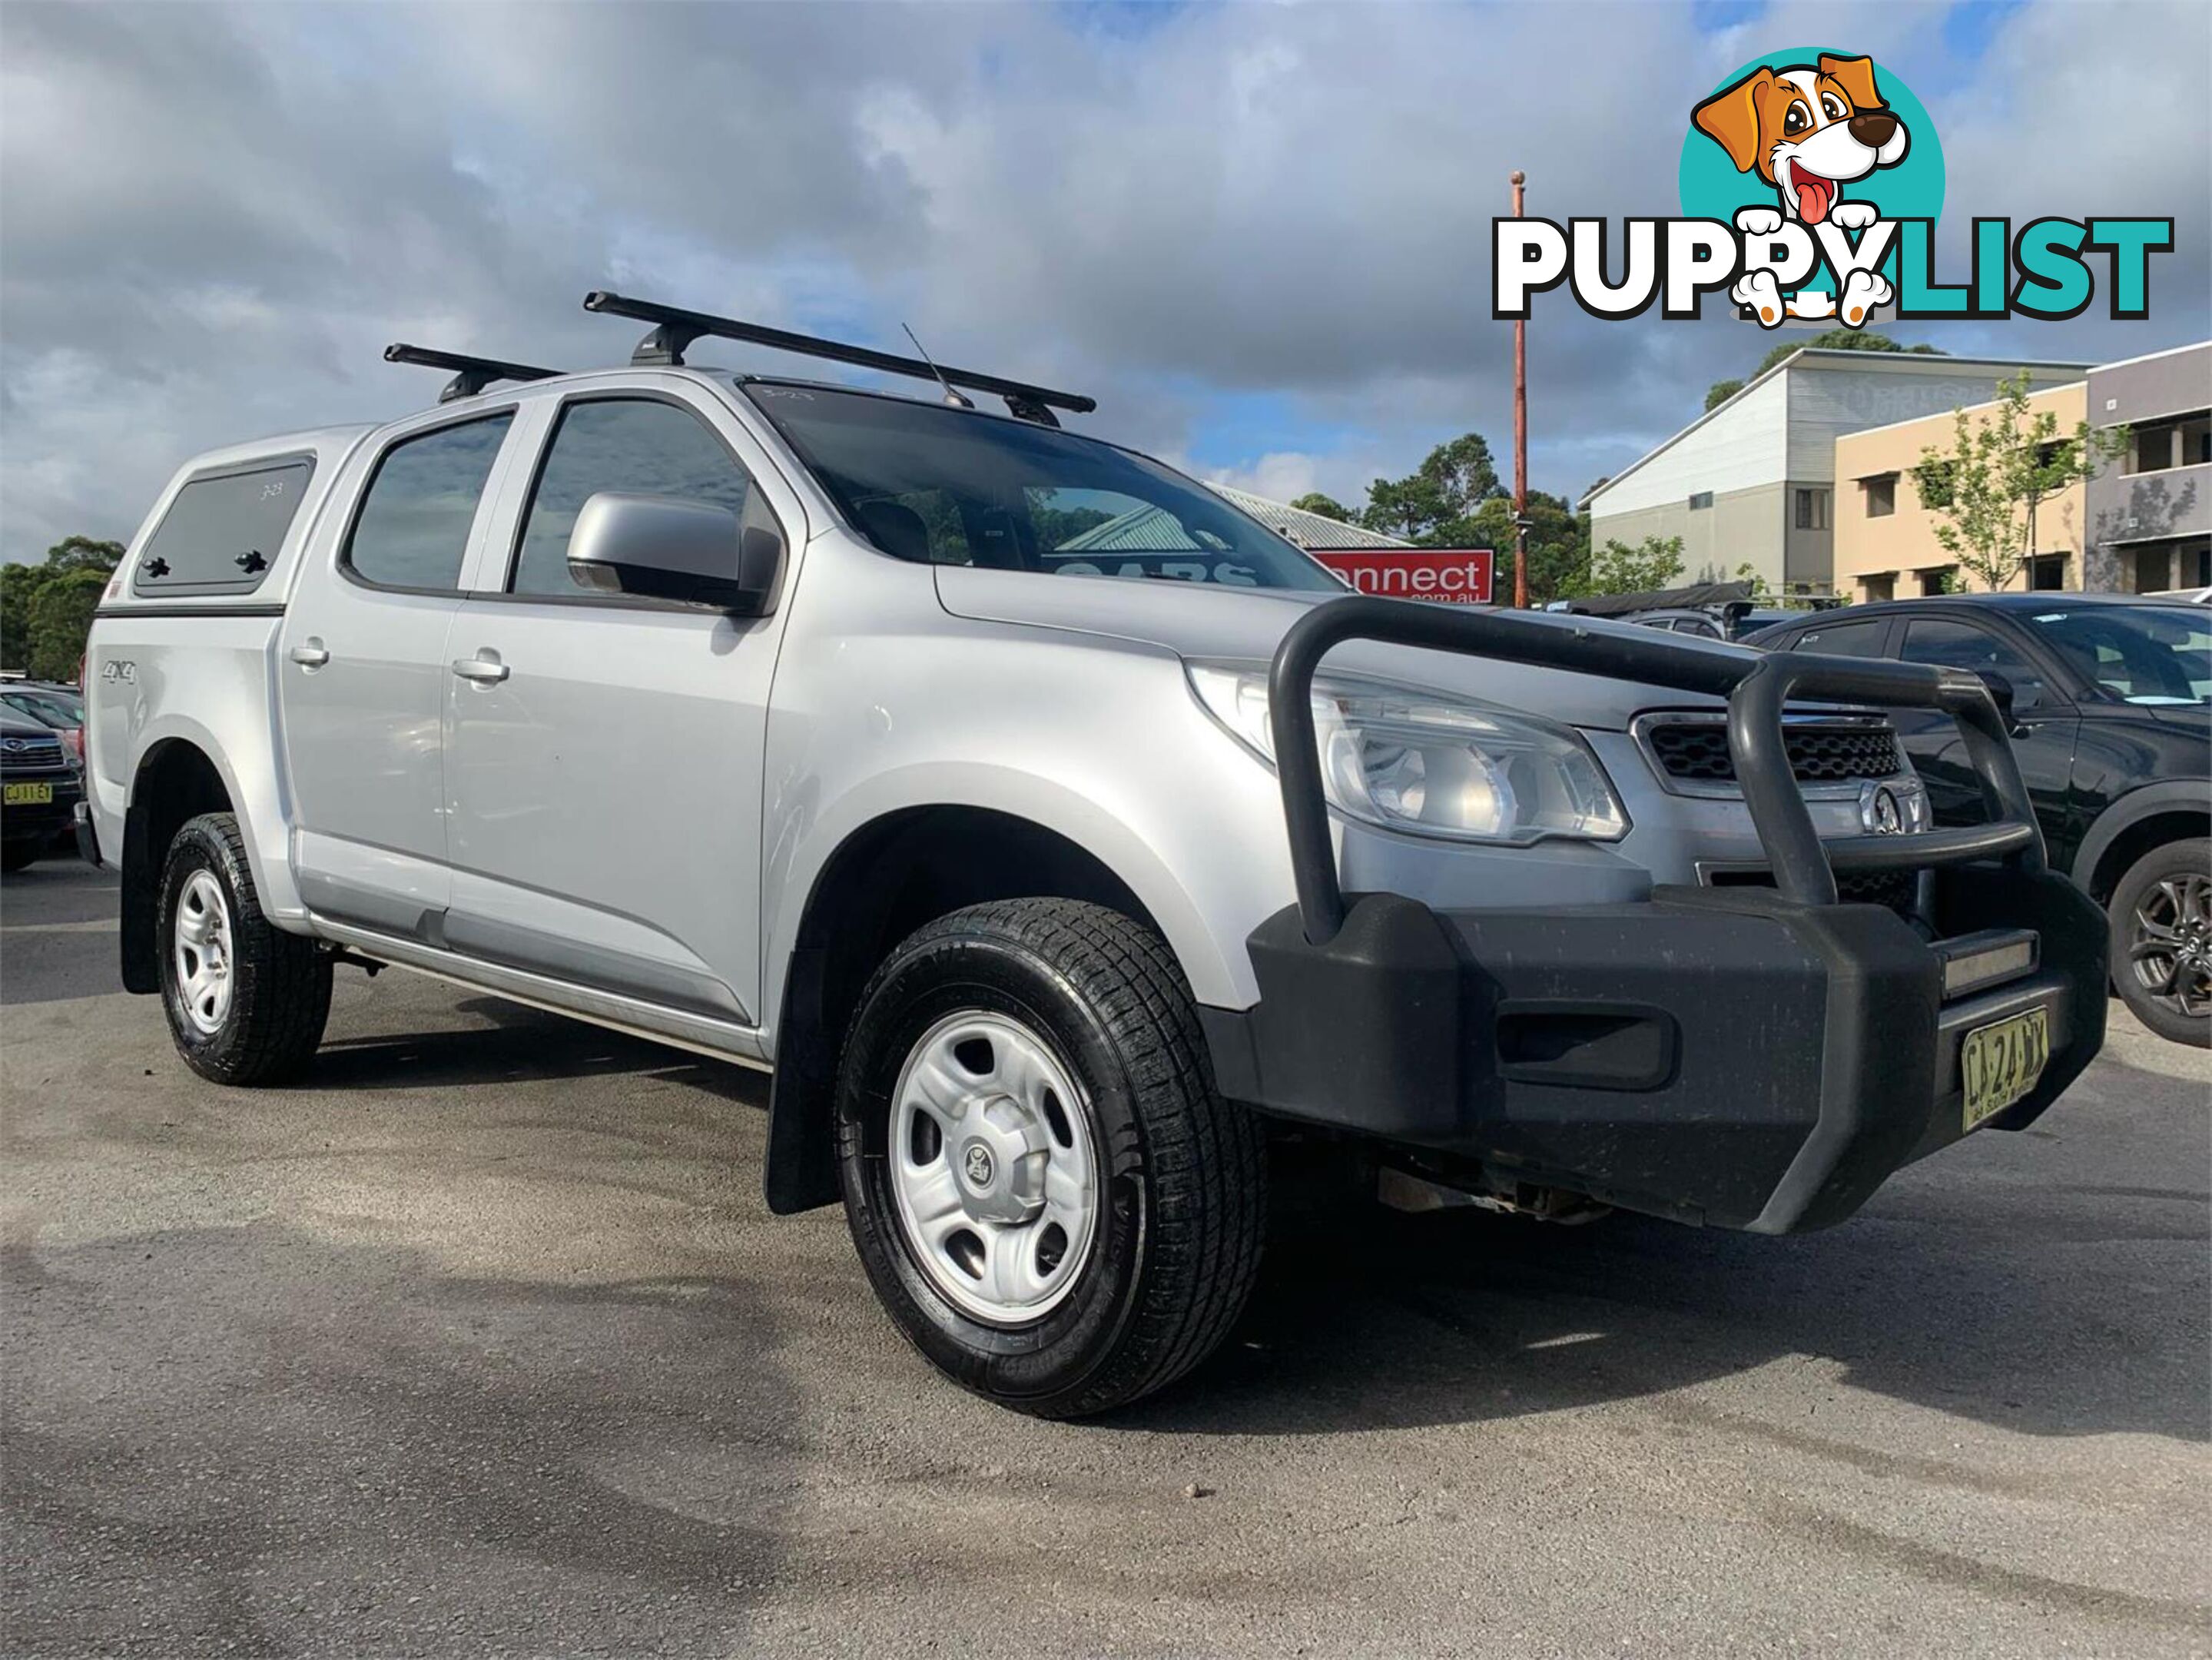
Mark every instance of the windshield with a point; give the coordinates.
(53, 709)
(941, 486)
(2137, 654)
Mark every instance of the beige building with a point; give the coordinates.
(1886, 545)
(1752, 481)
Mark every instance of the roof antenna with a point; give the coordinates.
(950, 396)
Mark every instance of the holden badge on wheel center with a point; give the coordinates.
(978, 1163)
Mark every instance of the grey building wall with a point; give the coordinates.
(1776, 435)
(2137, 515)
(1809, 556)
(1831, 394)
(1740, 526)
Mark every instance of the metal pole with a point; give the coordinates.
(1520, 438)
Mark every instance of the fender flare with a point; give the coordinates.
(1179, 914)
(799, 1171)
(2168, 795)
(273, 882)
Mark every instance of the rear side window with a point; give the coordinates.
(1844, 639)
(636, 446)
(413, 528)
(223, 532)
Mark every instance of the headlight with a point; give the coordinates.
(1408, 759)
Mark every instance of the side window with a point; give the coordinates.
(413, 528)
(634, 445)
(1844, 639)
(221, 534)
(1964, 646)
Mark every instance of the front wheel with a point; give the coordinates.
(246, 1002)
(2161, 917)
(1048, 1194)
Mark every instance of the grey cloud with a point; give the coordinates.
(214, 218)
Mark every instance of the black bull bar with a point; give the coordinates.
(1749, 1057)
(1757, 687)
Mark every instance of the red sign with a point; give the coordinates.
(1451, 576)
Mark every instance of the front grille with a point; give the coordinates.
(1896, 889)
(32, 754)
(1821, 752)
(1892, 888)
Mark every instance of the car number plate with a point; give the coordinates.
(2001, 1062)
(27, 795)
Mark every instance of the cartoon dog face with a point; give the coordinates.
(1807, 130)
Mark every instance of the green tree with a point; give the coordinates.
(1326, 506)
(61, 619)
(1558, 545)
(1435, 504)
(1828, 340)
(1616, 567)
(45, 609)
(17, 584)
(1985, 490)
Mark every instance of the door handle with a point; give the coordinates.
(309, 654)
(484, 668)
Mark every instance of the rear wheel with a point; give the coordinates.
(246, 1002)
(2161, 915)
(1048, 1195)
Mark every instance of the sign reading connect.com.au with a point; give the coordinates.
(1811, 181)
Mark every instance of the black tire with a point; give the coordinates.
(279, 993)
(17, 855)
(2165, 893)
(1182, 1207)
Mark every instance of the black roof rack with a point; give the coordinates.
(675, 329)
(471, 375)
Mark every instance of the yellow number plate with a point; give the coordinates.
(2000, 1063)
(27, 795)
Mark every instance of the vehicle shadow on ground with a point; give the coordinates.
(2004, 1303)
(518, 1044)
(2057, 1308)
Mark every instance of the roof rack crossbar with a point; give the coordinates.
(471, 375)
(675, 329)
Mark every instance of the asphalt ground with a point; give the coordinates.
(484, 1342)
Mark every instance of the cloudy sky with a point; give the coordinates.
(1258, 234)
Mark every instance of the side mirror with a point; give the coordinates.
(2001, 695)
(657, 547)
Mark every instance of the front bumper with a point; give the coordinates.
(43, 822)
(1759, 1058)
(1719, 1056)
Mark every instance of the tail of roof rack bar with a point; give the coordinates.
(471, 375)
(675, 329)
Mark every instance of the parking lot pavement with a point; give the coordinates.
(484, 1341)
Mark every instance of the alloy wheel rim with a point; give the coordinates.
(2171, 954)
(993, 1168)
(203, 955)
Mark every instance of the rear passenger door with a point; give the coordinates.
(604, 753)
(362, 675)
(2044, 729)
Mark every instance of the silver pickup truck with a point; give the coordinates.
(1060, 837)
